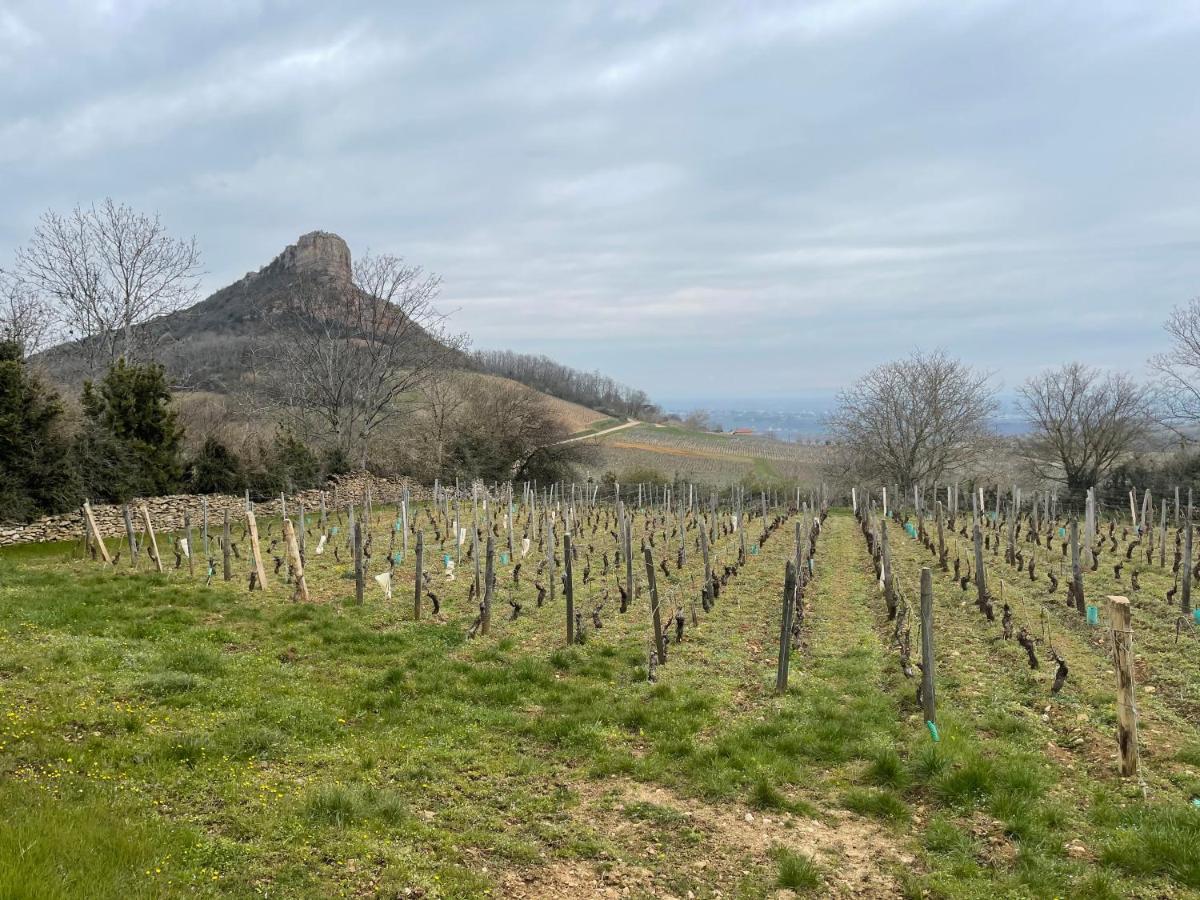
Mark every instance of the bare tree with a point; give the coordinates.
(443, 399)
(507, 431)
(1082, 422)
(590, 389)
(24, 317)
(1178, 369)
(347, 351)
(109, 269)
(915, 420)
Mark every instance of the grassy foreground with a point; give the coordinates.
(161, 737)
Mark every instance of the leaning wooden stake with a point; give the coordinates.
(255, 551)
(659, 642)
(295, 560)
(90, 525)
(928, 703)
(417, 578)
(785, 628)
(150, 536)
(1122, 640)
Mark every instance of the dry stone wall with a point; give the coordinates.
(168, 512)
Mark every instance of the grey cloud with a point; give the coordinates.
(797, 189)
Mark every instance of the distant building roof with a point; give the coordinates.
(742, 431)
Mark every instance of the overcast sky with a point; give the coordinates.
(702, 199)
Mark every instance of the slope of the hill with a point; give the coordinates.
(214, 346)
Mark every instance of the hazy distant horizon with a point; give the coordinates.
(799, 417)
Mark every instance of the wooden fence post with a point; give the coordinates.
(418, 577)
(145, 511)
(785, 628)
(652, 583)
(928, 701)
(1122, 639)
(295, 560)
(255, 551)
(569, 589)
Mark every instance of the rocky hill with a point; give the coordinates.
(216, 344)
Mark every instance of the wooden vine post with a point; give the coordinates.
(255, 550)
(785, 628)
(548, 534)
(146, 523)
(489, 580)
(1185, 601)
(941, 538)
(300, 534)
(569, 588)
(295, 560)
(226, 563)
(928, 701)
(889, 591)
(1076, 570)
(980, 574)
(707, 564)
(418, 576)
(89, 522)
(659, 644)
(356, 538)
(629, 583)
(133, 551)
(1122, 640)
(191, 550)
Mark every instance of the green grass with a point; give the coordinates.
(797, 871)
(234, 744)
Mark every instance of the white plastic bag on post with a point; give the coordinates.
(184, 548)
(524, 547)
(384, 580)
